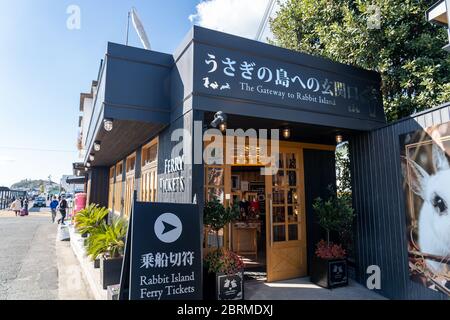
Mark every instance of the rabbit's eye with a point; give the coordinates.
(439, 204)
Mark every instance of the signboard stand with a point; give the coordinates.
(162, 259)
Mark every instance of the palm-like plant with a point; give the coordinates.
(108, 239)
(90, 218)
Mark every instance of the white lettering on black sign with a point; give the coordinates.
(173, 181)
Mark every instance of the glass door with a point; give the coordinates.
(285, 221)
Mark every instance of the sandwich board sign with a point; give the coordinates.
(163, 253)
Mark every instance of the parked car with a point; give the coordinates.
(40, 202)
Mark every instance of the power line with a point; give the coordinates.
(38, 149)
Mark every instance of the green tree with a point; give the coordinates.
(216, 216)
(343, 175)
(406, 50)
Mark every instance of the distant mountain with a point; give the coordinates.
(34, 185)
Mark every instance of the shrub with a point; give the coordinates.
(330, 250)
(223, 261)
(90, 218)
(108, 239)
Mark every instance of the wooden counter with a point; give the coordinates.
(245, 238)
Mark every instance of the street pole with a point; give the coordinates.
(128, 27)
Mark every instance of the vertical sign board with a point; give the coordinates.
(165, 259)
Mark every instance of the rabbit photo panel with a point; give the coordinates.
(425, 158)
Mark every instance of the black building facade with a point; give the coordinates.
(146, 104)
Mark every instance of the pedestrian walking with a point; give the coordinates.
(15, 206)
(25, 207)
(53, 206)
(62, 210)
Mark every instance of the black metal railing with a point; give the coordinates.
(7, 196)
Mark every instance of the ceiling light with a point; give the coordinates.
(91, 157)
(97, 146)
(286, 133)
(223, 126)
(108, 124)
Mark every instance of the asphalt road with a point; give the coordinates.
(28, 267)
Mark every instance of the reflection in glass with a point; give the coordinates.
(215, 176)
(292, 214)
(279, 179)
(278, 197)
(293, 232)
(217, 193)
(291, 161)
(292, 178)
(278, 214)
(279, 233)
(281, 161)
(292, 196)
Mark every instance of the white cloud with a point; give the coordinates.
(238, 17)
(6, 159)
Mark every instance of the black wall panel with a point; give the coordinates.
(380, 205)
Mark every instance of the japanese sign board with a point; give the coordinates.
(165, 259)
(230, 287)
(246, 76)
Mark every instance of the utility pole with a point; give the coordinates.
(265, 20)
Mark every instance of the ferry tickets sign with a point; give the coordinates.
(165, 252)
(234, 74)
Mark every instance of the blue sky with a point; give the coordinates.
(44, 66)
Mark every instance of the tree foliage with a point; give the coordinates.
(216, 216)
(343, 174)
(406, 50)
(334, 214)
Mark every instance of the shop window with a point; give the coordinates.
(129, 183)
(118, 188)
(111, 188)
(149, 172)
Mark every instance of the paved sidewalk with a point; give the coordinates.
(33, 265)
(303, 289)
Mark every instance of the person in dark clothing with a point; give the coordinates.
(25, 206)
(53, 205)
(62, 210)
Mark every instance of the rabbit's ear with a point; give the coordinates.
(440, 161)
(417, 178)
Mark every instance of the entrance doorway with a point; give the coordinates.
(271, 233)
(286, 218)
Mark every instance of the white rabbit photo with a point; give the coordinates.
(426, 171)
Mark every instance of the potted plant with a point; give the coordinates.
(107, 243)
(223, 269)
(87, 221)
(329, 265)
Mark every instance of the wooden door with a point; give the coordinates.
(285, 218)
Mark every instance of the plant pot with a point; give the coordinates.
(97, 263)
(329, 273)
(221, 286)
(110, 270)
(113, 292)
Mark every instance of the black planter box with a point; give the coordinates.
(329, 273)
(221, 286)
(110, 270)
(113, 292)
(97, 263)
